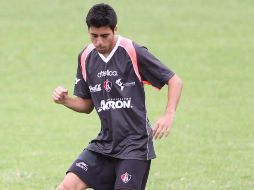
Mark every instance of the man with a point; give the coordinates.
(110, 77)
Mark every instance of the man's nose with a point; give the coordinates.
(98, 41)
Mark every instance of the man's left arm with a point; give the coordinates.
(164, 124)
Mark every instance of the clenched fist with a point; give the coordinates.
(60, 95)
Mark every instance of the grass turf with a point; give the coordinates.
(208, 43)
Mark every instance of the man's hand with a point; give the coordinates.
(163, 126)
(60, 95)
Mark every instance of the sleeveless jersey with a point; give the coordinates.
(115, 85)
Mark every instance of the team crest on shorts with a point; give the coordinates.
(126, 177)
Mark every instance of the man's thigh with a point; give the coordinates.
(94, 170)
(132, 174)
(72, 181)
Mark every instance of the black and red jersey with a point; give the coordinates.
(115, 85)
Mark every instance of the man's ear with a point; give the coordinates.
(115, 29)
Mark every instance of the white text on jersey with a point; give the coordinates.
(115, 104)
(107, 73)
(96, 88)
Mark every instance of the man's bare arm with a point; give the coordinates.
(164, 124)
(60, 96)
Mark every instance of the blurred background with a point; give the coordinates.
(208, 43)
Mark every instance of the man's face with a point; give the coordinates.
(103, 38)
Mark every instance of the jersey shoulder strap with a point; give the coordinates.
(127, 44)
(84, 55)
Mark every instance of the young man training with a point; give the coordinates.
(110, 77)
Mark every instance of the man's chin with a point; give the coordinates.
(101, 51)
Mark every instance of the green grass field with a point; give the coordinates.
(210, 44)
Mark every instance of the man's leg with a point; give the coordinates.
(132, 174)
(72, 182)
(91, 170)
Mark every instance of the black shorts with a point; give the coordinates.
(106, 173)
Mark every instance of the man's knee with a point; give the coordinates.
(60, 187)
(71, 182)
(63, 186)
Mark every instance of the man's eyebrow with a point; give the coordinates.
(104, 34)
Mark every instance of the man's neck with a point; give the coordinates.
(114, 44)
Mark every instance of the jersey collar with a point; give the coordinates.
(106, 59)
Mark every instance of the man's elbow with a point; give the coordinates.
(89, 110)
(176, 80)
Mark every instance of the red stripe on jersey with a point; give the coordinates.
(84, 55)
(128, 46)
(148, 83)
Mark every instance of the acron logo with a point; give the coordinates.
(115, 104)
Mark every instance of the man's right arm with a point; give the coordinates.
(60, 96)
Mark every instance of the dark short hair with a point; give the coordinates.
(101, 15)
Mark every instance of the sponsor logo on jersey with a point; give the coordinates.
(107, 85)
(107, 73)
(117, 103)
(82, 165)
(95, 88)
(122, 85)
(77, 80)
(126, 177)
